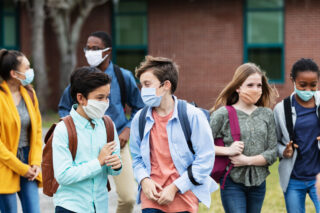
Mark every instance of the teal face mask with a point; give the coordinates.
(29, 77)
(304, 95)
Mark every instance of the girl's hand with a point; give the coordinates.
(240, 160)
(236, 148)
(288, 152)
(30, 173)
(36, 170)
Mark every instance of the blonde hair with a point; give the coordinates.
(229, 95)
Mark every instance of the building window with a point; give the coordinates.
(264, 35)
(129, 33)
(9, 25)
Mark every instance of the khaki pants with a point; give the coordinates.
(125, 183)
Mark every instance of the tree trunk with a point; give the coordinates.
(36, 10)
(68, 34)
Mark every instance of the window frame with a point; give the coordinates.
(16, 15)
(116, 47)
(247, 46)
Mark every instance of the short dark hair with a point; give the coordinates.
(9, 60)
(105, 37)
(163, 68)
(302, 65)
(85, 80)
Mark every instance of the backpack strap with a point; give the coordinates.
(109, 128)
(234, 123)
(185, 124)
(110, 137)
(142, 121)
(122, 85)
(288, 116)
(30, 93)
(235, 133)
(72, 135)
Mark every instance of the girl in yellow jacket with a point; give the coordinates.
(20, 135)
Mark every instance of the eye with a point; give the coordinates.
(250, 85)
(303, 85)
(259, 85)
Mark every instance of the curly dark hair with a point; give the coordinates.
(105, 38)
(303, 65)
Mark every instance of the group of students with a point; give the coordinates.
(172, 144)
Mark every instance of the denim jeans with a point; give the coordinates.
(295, 196)
(148, 210)
(28, 194)
(60, 209)
(238, 198)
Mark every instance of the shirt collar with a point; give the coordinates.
(175, 111)
(80, 120)
(109, 69)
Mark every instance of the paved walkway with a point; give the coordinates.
(46, 203)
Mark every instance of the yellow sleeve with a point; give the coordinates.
(11, 161)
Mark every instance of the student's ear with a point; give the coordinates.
(81, 99)
(167, 85)
(291, 79)
(13, 74)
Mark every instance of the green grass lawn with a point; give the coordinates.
(273, 202)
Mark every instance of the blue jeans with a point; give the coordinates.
(238, 198)
(148, 210)
(28, 194)
(295, 196)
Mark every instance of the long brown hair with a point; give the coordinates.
(229, 95)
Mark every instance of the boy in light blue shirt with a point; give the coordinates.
(83, 181)
(191, 168)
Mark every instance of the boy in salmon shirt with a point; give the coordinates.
(161, 157)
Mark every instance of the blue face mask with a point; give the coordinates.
(29, 77)
(304, 95)
(150, 98)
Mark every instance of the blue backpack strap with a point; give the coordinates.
(142, 121)
(184, 121)
(185, 125)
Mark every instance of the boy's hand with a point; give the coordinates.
(149, 188)
(167, 194)
(106, 150)
(124, 137)
(113, 161)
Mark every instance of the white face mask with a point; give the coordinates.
(95, 109)
(94, 57)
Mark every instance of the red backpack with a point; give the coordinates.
(50, 185)
(221, 162)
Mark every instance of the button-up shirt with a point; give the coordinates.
(258, 134)
(82, 181)
(202, 143)
(115, 110)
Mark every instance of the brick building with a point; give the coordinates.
(208, 39)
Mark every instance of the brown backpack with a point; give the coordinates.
(50, 185)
